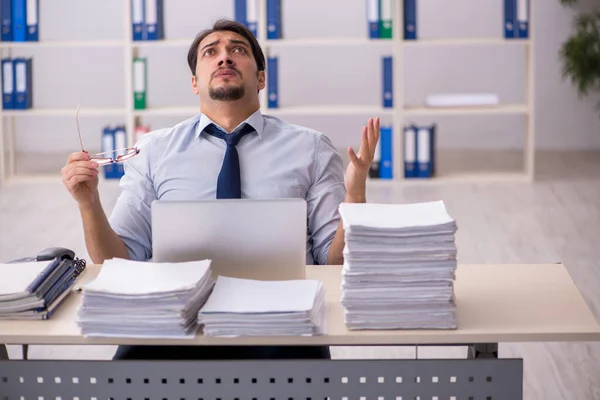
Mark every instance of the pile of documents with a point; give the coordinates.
(245, 307)
(145, 299)
(34, 290)
(399, 266)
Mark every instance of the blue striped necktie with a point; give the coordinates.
(228, 182)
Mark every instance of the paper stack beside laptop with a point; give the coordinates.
(246, 307)
(145, 299)
(399, 266)
(34, 290)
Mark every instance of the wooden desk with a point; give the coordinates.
(496, 303)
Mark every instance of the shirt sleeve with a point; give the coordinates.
(130, 218)
(324, 197)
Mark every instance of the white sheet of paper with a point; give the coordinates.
(397, 216)
(121, 276)
(234, 295)
(14, 278)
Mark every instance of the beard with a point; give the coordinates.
(226, 93)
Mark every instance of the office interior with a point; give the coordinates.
(520, 174)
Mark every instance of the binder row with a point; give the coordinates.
(387, 82)
(516, 19)
(410, 19)
(19, 20)
(43, 294)
(247, 12)
(147, 20)
(382, 166)
(139, 83)
(272, 82)
(419, 153)
(379, 17)
(16, 83)
(113, 138)
(387, 75)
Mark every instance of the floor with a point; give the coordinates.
(555, 219)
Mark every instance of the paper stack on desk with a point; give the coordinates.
(34, 290)
(145, 299)
(399, 266)
(245, 307)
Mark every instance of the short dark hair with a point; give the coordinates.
(227, 25)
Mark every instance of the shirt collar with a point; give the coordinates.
(255, 120)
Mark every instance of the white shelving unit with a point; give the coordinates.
(402, 112)
(399, 113)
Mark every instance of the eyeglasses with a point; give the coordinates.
(108, 157)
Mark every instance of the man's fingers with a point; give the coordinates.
(373, 137)
(78, 171)
(368, 142)
(83, 172)
(80, 164)
(85, 164)
(372, 142)
(79, 156)
(89, 165)
(77, 179)
(353, 157)
(364, 143)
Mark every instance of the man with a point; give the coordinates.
(230, 150)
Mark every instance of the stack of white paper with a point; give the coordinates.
(144, 299)
(245, 307)
(399, 266)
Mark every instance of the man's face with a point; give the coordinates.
(226, 69)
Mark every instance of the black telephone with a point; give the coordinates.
(48, 254)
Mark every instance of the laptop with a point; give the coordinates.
(244, 238)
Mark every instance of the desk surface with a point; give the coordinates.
(496, 303)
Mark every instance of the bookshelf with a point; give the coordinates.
(398, 114)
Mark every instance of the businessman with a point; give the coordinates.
(229, 150)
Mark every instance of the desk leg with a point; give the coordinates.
(3, 352)
(483, 350)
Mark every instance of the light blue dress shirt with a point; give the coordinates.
(278, 160)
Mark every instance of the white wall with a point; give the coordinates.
(563, 120)
(310, 75)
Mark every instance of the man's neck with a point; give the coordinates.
(229, 114)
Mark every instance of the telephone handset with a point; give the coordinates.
(55, 252)
(49, 254)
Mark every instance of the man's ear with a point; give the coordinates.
(194, 85)
(261, 80)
